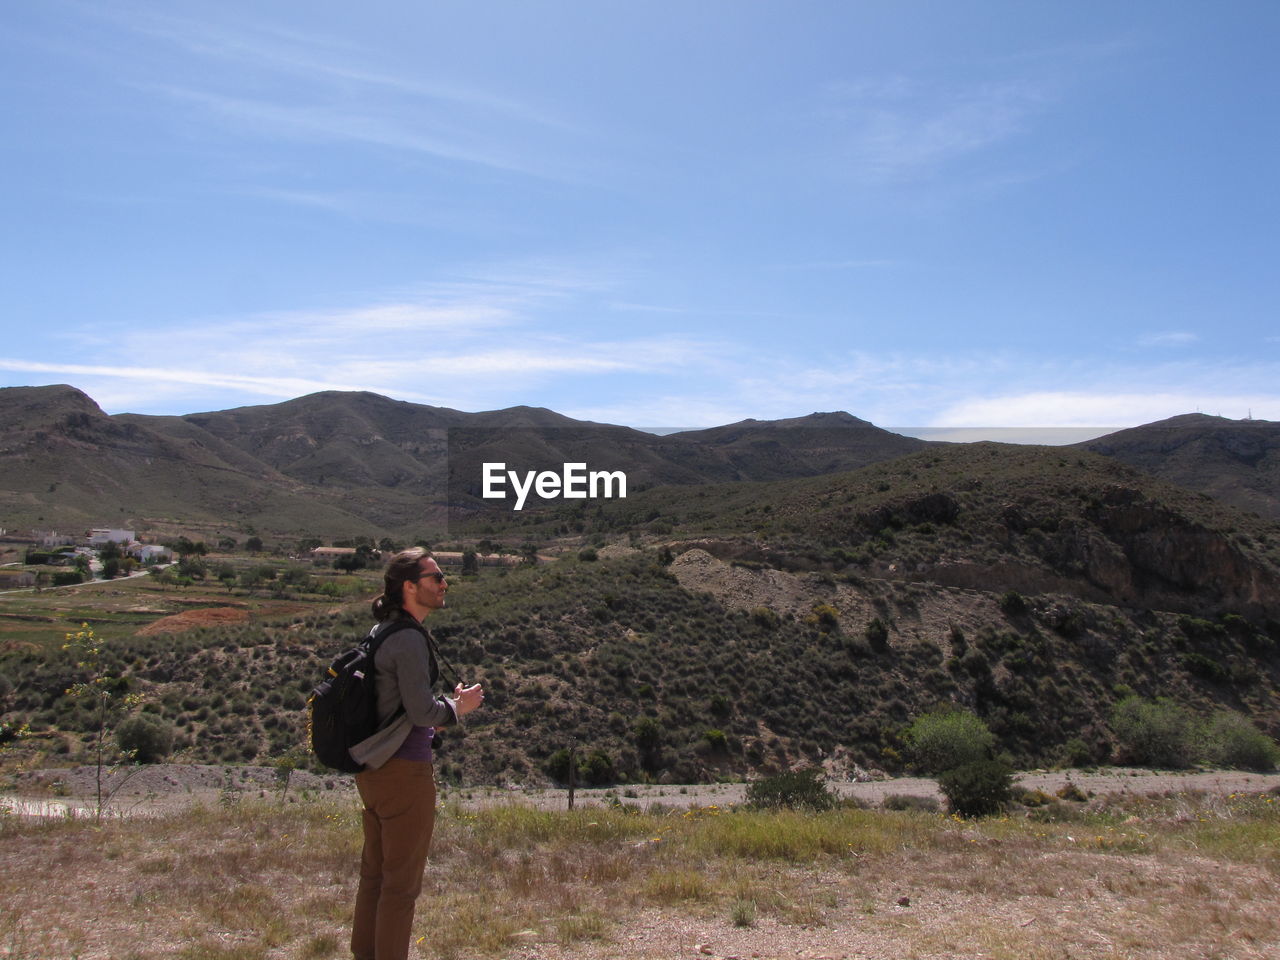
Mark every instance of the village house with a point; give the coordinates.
(100, 536)
(149, 552)
(329, 554)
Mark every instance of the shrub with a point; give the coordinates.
(766, 617)
(1205, 668)
(1069, 791)
(947, 738)
(648, 740)
(908, 801)
(1155, 732)
(1013, 603)
(597, 769)
(797, 789)
(1231, 740)
(978, 789)
(826, 617)
(877, 634)
(146, 737)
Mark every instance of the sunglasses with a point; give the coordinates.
(437, 576)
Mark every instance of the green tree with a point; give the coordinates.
(977, 789)
(1159, 732)
(797, 789)
(648, 740)
(947, 737)
(144, 737)
(109, 555)
(1231, 740)
(227, 576)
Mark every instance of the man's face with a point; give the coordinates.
(431, 587)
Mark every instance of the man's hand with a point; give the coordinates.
(467, 699)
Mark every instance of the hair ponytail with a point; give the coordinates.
(404, 568)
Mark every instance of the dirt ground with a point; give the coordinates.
(1062, 895)
(188, 619)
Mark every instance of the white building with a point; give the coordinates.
(99, 536)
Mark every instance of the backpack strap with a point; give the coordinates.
(377, 633)
(381, 630)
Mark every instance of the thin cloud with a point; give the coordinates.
(321, 123)
(903, 129)
(1174, 338)
(285, 387)
(315, 57)
(1087, 409)
(273, 84)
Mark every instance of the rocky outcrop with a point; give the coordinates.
(1145, 554)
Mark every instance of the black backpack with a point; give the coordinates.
(344, 707)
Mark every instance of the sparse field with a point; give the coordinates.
(121, 608)
(1168, 877)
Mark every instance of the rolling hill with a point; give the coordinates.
(1236, 461)
(734, 623)
(333, 464)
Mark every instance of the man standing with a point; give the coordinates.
(397, 785)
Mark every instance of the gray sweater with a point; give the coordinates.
(405, 673)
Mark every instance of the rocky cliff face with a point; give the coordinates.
(1145, 551)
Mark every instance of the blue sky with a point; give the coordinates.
(947, 214)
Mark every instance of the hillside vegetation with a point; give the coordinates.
(708, 630)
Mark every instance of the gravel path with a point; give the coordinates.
(163, 786)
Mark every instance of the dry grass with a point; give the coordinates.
(1166, 878)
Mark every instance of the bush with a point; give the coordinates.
(1013, 603)
(1205, 668)
(1231, 740)
(1158, 732)
(716, 740)
(947, 738)
(798, 789)
(557, 766)
(825, 617)
(146, 737)
(597, 769)
(877, 635)
(907, 801)
(766, 617)
(1076, 753)
(978, 789)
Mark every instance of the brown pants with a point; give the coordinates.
(399, 814)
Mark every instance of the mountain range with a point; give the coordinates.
(336, 464)
(802, 588)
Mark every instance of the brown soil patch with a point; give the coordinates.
(189, 619)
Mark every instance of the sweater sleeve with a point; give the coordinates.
(404, 675)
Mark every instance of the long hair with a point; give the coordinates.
(403, 568)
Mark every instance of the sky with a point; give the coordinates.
(949, 215)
